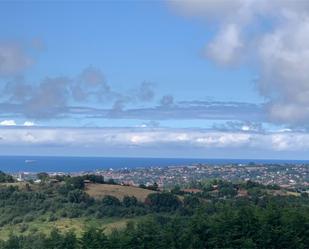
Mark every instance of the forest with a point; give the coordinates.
(220, 215)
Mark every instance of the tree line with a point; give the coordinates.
(224, 224)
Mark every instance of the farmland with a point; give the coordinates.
(99, 190)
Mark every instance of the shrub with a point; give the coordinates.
(28, 218)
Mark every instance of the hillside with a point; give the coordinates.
(91, 213)
(78, 225)
(100, 190)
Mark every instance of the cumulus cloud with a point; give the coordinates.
(89, 95)
(17, 90)
(11, 122)
(29, 123)
(167, 101)
(272, 37)
(54, 97)
(284, 57)
(49, 99)
(13, 59)
(226, 47)
(90, 83)
(146, 92)
(8, 123)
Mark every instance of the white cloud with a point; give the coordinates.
(207, 8)
(8, 123)
(28, 123)
(226, 46)
(11, 122)
(284, 56)
(270, 35)
(152, 138)
(245, 128)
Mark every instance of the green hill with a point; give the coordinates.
(69, 213)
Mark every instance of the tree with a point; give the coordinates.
(42, 176)
(70, 241)
(163, 201)
(5, 178)
(75, 182)
(94, 178)
(78, 196)
(109, 200)
(191, 201)
(176, 190)
(55, 240)
(94, 238)
(13, 242)
(129, 201)
(153, 187)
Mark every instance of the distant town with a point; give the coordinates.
(284, 175)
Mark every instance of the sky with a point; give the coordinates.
(187, 78)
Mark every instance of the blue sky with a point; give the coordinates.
(155, 78)
(130, 42)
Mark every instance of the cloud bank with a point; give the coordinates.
(101, 138)
(54, 97)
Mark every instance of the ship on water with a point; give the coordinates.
(30, 161)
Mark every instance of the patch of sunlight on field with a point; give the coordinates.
(100, 190)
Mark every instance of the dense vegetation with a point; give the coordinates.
(220, 215)
(5, 178)
(52, 201)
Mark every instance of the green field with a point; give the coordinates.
(64, 225)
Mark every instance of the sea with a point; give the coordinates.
(13, 164)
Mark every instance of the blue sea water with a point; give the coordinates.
(77, 164)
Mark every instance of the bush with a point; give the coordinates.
(17, 220)
(28, 218)
(78, 196)
(75, 183)
(109, 200)
(33, 230)
(129, 201)
(23, 227)
(52, 217)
